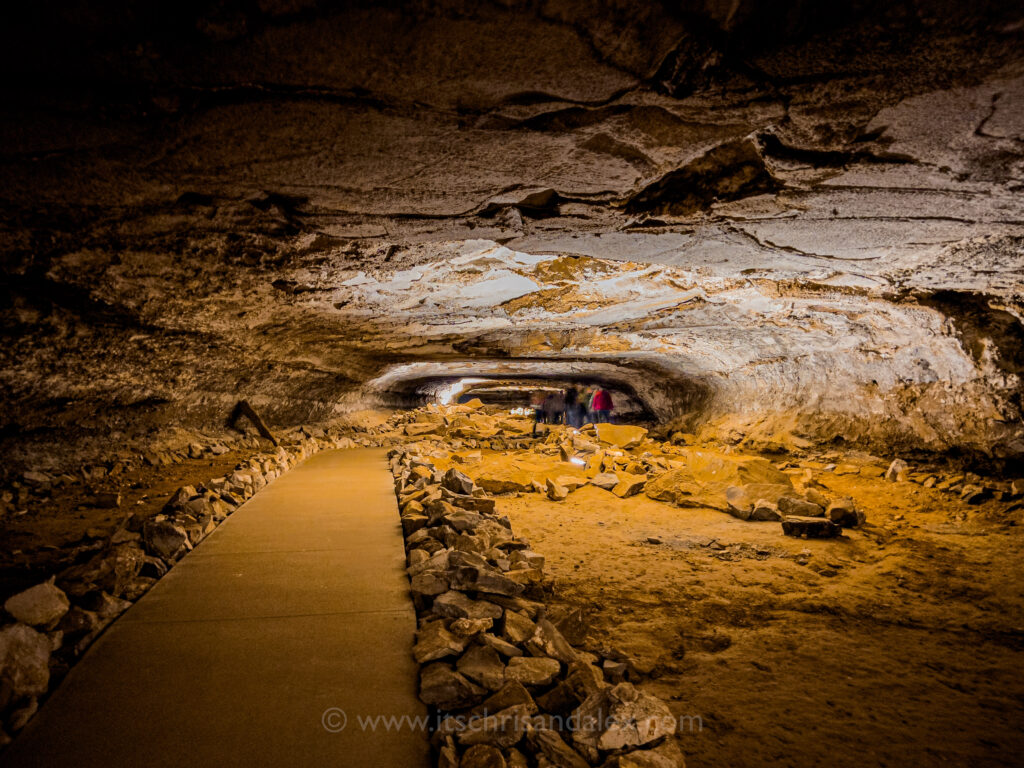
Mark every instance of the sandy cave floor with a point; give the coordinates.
(897, 644)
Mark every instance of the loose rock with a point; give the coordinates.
(532, 670)
(811, 527)
(24, 660)
(39, 606)
(621, 716)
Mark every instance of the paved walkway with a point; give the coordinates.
(297, 604)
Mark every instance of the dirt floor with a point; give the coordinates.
(898, 644)
(57, 530)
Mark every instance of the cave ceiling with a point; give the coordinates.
(782, 208)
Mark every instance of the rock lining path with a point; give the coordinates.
(298, 603)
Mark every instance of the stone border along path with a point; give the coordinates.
(505, 687)
(291, 620)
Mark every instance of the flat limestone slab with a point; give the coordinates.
(294, 607)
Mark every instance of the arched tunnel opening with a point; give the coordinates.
(284, 285)
(640, 391)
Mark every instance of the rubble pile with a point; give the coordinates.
(509, 688)
(626, 461)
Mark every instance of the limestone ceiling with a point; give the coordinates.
(797, 209)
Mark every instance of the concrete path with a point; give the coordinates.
(294, 607)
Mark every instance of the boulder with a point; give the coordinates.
(482, 665)
(485, 580)
(705, 477)
(742, 498)
(898, 471)
(620, 435)
(479, 504)
(605, 480)
(24, 660)
(512, 694)
(548, 641)
(483, 756)
(502, 729)
(78, 621)
(594, 464)
(113, 570)
(39, 606)
(166, 539)
(455, 605)
(570, 482)
(666, 755)
(530, 558)
(790, 505)
(811, 527)
(502, 646)
(18, 718)
(504, 480)
(104, 605)
(443, 687)
(470, 627)
(974, 494)
(429, 583)
(554, 491)
(621, 716)
(457, 482)
(412, 507)
(551, 745)
(412, 522)
(434, 642)
(418, 428)
(844, 512)
(184, 494)
(765, 509)
(517, 628)
(815, 496)
(532, 670)
(629, 485)
(463, 520)
(37, 479)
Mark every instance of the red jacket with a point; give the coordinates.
(602, 401)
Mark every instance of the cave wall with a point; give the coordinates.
(784, 218)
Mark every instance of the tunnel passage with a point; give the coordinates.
(517, 394)
(641, 390)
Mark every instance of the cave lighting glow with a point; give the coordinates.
(445, 395)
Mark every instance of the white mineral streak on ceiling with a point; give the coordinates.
(755, 347)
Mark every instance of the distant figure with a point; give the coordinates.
(537, 403)
(582, 413)
(602, 406)
(571, 396)
(554, 406)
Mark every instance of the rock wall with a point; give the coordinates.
(791, 222)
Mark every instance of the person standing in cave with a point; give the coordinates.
(537, 404)
(583, 409)
(555, 406)
(602, 406)
(569, 414)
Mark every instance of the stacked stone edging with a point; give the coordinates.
(507, 688)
